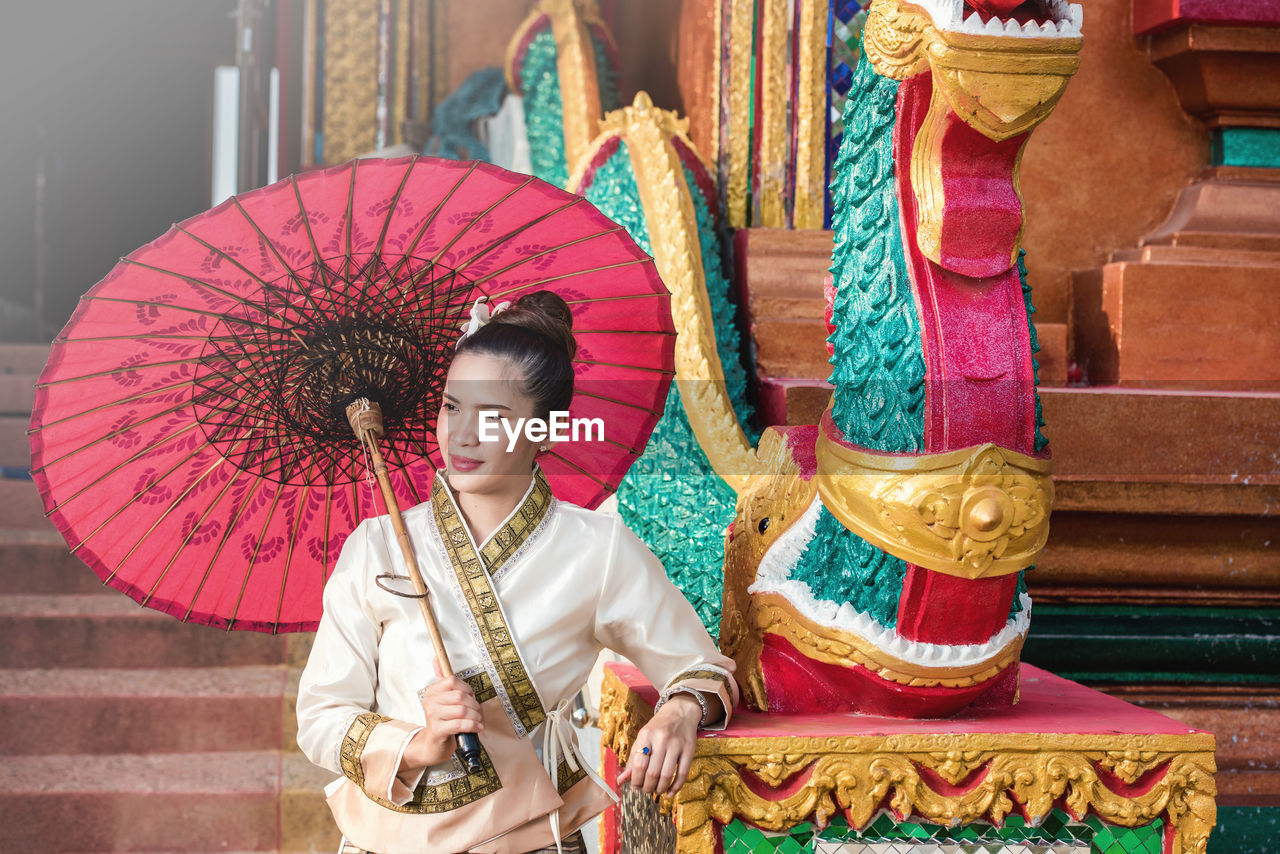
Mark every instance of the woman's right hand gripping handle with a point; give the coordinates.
(451, 708)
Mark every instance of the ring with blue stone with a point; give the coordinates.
(645, 751)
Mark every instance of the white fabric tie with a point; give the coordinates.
(480, 316)
(559, 740)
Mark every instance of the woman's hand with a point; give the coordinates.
(450, 708)
(670, 737)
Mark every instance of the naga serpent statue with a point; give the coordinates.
(876, 560)
(872, 562)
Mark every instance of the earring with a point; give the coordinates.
(542, 448)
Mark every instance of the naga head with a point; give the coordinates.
(997, 68)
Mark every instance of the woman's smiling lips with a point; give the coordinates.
(463, 463)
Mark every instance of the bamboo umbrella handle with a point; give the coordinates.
(366, 421)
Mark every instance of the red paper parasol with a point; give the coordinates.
(189, 437)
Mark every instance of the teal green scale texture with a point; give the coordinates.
(672, 497)
(544, 110)
(878, 363)
(544, 106)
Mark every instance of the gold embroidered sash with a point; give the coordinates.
(474, 576)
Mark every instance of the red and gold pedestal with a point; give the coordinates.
(1066, 769)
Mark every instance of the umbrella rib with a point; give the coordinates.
(134, 337)
(185, 308)
(253, 560)
(647, 368)
(306, 222)
(284, 296)
(619, 298)
(293, 274)
(395, 202)
(139, 455)
(119, 369)
(165, 515)
(288, 560)
(120, 402)
(255, 485)
(350, 217)
(443, 249)
(613, 400)
(534, 257)
(123, 430)
(395, 271)
(190, 280)
(186, 540)
(324, 550)
(135, 497)
(527, 285)
(499, 241)
(582, 471)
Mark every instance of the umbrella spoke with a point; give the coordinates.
(255, 486)
(613, 400)
(530, 285)
(270, 244)
(125, 504)
(152, 448)
(120, 432)
(253, 559)
(549, 251)
(200, 283)
(580, 470)
(395, 203)
(245, 321)
(134, 398)
(186, 540)
(268, 286)
(292, 541)
(500, 241)
(646, 368)
(118, 369)
(529, 179)
(427, 223)
(403, 468)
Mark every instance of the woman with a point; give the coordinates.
(527, 590)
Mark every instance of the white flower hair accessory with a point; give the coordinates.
(480, 315)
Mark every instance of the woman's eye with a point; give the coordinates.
(449, 407)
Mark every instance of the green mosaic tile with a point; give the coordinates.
(1112, 839)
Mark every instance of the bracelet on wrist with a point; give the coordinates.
(681, 689)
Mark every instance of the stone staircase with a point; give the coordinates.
(124, 729)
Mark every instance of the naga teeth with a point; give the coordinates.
(1077, 17)
(1012, 28)
(993, 27)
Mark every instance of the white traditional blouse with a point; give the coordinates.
(523, 617)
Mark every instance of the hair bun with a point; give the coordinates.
(543, 312)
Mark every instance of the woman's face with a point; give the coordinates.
(479, 383)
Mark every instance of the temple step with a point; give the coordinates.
(95, 631)
(141, 711)
(142, 802)
(38, 561)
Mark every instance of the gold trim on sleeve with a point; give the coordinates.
(357, 736)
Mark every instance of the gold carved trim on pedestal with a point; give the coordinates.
(350, 78)
(811, 116)
(977, 512)
(856, 774)
(677, 253)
